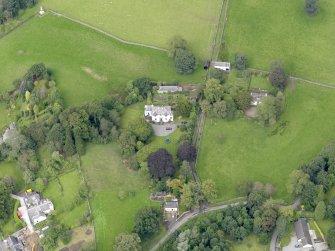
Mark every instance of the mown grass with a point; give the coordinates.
(10, 169)
(235, 151)
(267, 30)
(251, 243)
(108, 177)
(67, 48)
(63, 192)
(151, 22)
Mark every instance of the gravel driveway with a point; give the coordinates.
(160, 130)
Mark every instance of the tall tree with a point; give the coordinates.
(209, 190)
(187, 151)
(185, 61)
(147, 221)
(312, 7)
(277, 75)
(127, 242)
(160, 164)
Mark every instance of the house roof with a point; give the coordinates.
(159, 110)
(171, 204)
(302, 231)
(257, 95)
(169, 88)
(221, 64)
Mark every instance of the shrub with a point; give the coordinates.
(185, 61)
(312, 7)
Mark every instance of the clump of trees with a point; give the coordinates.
(330, 237)
(240, 61)
(269, 111)
(139, 89)
(7, 186)
(312, 7)
(277, 75)
(10, 8)
(210, 231)
(187, 151)
(185, 61)
(56, 232)
(222, 102)
(311, 181)
(160, 164)
(127, 242)
(147, 221)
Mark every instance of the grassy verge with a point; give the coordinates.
(235, 151)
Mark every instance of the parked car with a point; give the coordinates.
(183, 122)
(168, 128)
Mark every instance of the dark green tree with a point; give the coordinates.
(240, 61)
(185, 61)
(147, 221)
(312, 7)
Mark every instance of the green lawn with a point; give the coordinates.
(132, 113)
(267, 30)
(63, 195)
(107, 177)
(10, 169)
(251, 243)
(151, 22)
(87, 65)
(325, 225)
(235, 151)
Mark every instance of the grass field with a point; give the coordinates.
(151, 22)
(63, 195)
(10, 169)
(87, 65)
(107, 177)
(235, 151)
(267, 30)
(251, 243)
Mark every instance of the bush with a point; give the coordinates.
(185, 61)
(147, 221)
(312, 7)
(240, 61)
(277, 75)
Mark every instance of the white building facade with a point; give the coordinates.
(158, 113)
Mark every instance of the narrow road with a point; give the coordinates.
(189, 216)
(274, 237)
(106, 33)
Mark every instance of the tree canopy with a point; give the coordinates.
(147, 221)
(277, 75)
(127, 242)
(312, 7)
(187, 151)
(185, 61)
(160, 164)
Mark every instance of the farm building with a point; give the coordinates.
(224, 66)
(169, 89)
(257, 96)
(158, 113)
(303, 234)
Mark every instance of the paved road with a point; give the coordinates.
(106, 33)
(275, 233)
(24, 212)
(189, 216)
(160, 130)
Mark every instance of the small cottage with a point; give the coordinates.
(257, 96)
(223, 66)
(171, 210)
(303, 234)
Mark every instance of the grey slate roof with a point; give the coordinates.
(302, 231)
(169, 88)
(171, 204)
(159, 110)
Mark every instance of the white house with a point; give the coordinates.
(257, 96)
(171, 210)
(169, 88)
(158, 113)
(224, 66)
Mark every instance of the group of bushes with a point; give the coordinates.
(10, 8)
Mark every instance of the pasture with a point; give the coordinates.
(151, 22)
(64, 192)
(118, 192)
(240, 150)
(10, 169)
(267, 30)
(87, 65)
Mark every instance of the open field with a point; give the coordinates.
(87, 65)
(301, 42)
(235, 151)
(10, 169)
(151, 22)
(64, 194)
(108, 178)
(251, 243)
